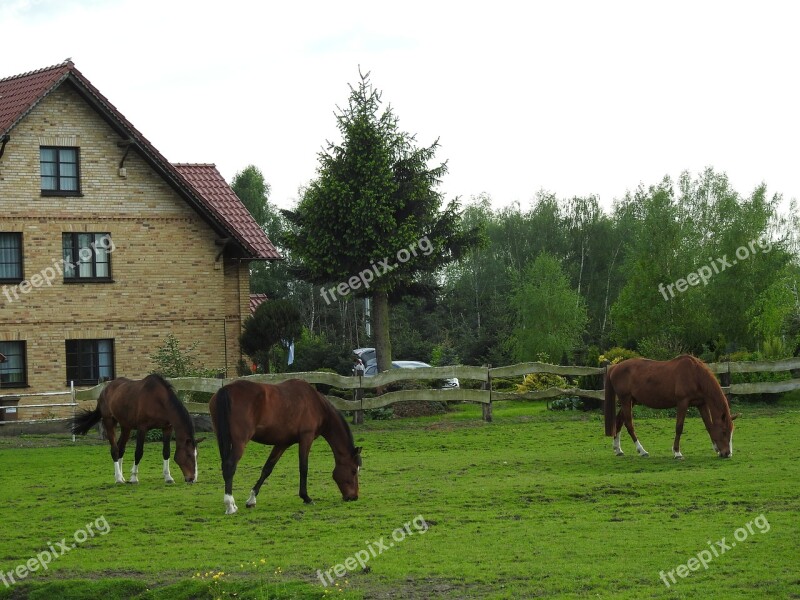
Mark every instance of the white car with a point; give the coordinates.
(367, 356)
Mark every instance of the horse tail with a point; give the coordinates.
(610, 406)
(223, 423)
(84, 420)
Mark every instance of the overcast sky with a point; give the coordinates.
(577, 98)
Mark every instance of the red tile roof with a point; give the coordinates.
(211, 186)
(256, 301)
(19, 94)
(201, 185)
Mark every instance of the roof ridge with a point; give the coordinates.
(65, 63)
(180, 164)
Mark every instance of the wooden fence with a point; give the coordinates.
(486, 395)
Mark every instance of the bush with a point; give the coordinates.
(171, 361)
(616, 355)
(315, 353)
(570, 403)
(661, 347)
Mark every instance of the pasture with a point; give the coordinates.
(534, 504)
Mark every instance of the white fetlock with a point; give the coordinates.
(134, 474)
(118, 477)
(640, 449)
(251, 501)
(230, 505)
(617, 449)
(678, 455)
(167, 477)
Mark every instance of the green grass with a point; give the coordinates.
(534, 504)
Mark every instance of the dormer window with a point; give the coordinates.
(59, 168)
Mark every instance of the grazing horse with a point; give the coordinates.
(142, 405)
(292, 412)
(678, 383)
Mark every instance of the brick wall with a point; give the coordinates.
(166, 278)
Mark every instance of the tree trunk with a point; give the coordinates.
(380, 330)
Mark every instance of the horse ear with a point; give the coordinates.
(733, 417)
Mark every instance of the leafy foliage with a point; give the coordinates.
(273, 322)
(550, 315)
(173, 361)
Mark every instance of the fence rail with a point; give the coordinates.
(484, 375)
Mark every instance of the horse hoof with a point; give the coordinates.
(248, 505)
(132, 481)
(231, 510)
(120, 481)
(309, 501)
(619, 453)
(644, 454)
(169, 481)
(679, 457)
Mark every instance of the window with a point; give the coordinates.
(12, 371)
(59, 168)
(87, 256)
(10, 257)
(90, 361)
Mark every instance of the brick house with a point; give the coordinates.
(105, 246)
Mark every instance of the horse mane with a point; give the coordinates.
(710, 385)
(350, 439)
(331, 408)
(180, 409)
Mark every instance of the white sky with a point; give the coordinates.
(577, 98)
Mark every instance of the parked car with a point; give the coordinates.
(370, 360)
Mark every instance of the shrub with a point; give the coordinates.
(172, 361)
(616, 355)
(661, 347)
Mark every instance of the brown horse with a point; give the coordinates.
(292, 412)
(142, 405)
(678, 383)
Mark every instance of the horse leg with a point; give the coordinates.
(682, 407)
(165, 453)
(627, 408)
(137, 457)
(705, 413)
(305, 448)
(616, 446)
(228, 471)
(124, 435)
(273, 458)
(108, 424)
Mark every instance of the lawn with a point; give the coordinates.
(534, 504)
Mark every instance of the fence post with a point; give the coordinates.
(358, 395)
(725, 380)
(72, 395)
(487, 385)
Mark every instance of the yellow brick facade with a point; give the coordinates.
(166, 274)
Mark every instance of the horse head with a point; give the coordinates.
(345, 474)
(186, 457)
(722, 433)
